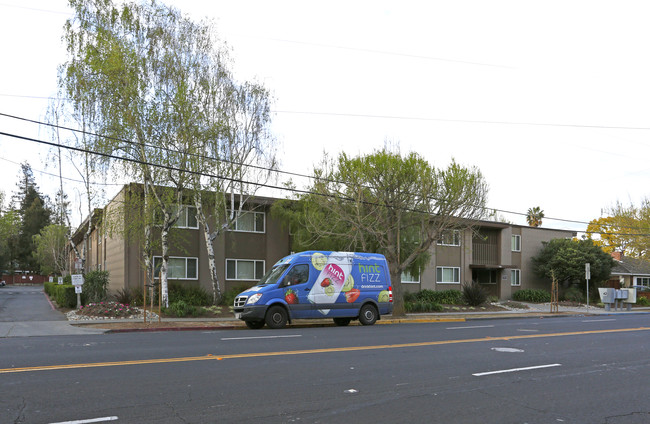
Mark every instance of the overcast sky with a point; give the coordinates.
(550, 100)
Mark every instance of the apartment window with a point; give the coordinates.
(642, 281)
(187, 218)
(450, 238)
(178, 268)
(448, 275)
(252, 222)
(515, 277)
(244, 269)
(407, 277)
(516, 243)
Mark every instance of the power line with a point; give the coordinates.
(227, 178)
(58, 176)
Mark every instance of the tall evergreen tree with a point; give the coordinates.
(34, 216)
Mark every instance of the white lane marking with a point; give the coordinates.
(261, 337)
(480, 374)
(473, 326)
(598, 320)
(523, 329)
(92, 420)
(507, 349)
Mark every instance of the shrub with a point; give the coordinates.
(474, 294)
(129, 296)
(181, 309)
(95, 286)
(444, 297)
(574, 294)
(65, 296)
(422, 306)
(532, 295)
(190, 295)
(228, 297)
(493, 299)
(642, 301)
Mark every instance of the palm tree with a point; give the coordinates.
(534, 216)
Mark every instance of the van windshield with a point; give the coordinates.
(273, 275)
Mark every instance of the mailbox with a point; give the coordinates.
(621, 294)
(607, 295)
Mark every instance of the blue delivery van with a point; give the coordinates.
(344, 286)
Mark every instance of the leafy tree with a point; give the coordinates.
(50, 249)
(141, 75)
(626, 230)
(387, 203)
(534, 216)
(566, 259)
(240, 150)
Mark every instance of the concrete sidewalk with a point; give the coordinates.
(193, 324)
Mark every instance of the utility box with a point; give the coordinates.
(621, 294)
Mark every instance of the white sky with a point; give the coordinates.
(453, 79)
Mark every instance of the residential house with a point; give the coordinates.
(630, 272)
(497, 255)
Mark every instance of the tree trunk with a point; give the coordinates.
(398, 295)
(212, 264)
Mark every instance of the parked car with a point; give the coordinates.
(641, 288)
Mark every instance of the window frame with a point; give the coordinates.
(638, 281)
(245, 212)
(515, 277)
(185, 213)
(407, 274)
(441, 270)
(515, 246)
(454, 235)
(256, 277)
(186, 258)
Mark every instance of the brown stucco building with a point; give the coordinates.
(497, 255)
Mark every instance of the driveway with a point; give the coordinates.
(26, 311)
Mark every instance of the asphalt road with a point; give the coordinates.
(559, 370)
(25, 311)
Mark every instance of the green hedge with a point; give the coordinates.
(444, 297)
(62, 294)
(532, 295)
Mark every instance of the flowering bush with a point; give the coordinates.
(108, 309)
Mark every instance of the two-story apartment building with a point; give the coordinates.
(243, 254)
(497, 255)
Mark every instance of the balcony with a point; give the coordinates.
(485, 254)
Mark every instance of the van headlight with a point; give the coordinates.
(254, 298)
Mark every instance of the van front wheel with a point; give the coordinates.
(254, 325)
(368, 314)
(276, 317)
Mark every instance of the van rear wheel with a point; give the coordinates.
(254, 325)
(276, 317)
(368, 314)
(342, 322)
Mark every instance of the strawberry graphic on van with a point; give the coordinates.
(290, 297)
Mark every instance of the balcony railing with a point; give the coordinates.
(485, 254)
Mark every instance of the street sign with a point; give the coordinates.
(77, 289)
(60, 280)
(51, 279)
(78, 264)
(77, 279)
(587, 271)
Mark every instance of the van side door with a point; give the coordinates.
(295, 285)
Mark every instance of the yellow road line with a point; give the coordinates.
(311, 351)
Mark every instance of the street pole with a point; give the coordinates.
(587, 277)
